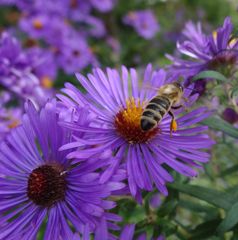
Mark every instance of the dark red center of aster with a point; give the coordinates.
(76, 53)
(73, 3)
(46, 185)
(127, 123)
(225, 62)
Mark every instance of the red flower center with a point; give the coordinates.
(46, 185)
(127, 123)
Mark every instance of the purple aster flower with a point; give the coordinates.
(74, 54)
(118, 102)
(39, 183)
(129, 231)
(76, 5)
(94, 26)
(36, 25)
(217, 51)
(51, 29)
(144, 22)
(16, 71)
(103, 5)
(78, 9)
(43, 65)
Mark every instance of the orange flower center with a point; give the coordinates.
(127, 123)
(14, 123)
(37, 24)
(46, 82)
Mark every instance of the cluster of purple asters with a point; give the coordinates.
(64, 29)
(65, 160)
(25, 74)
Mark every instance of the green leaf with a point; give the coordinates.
(168, 208)
(232, 195)
(197, 207)
(209, 74)
(221, 125)
(229, 171)
(214, 197)
(230, 220)
(234, 92)
(204, 230)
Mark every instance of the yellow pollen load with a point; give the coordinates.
(46, 82)
(232, 42)
(37, 24)
(132, 113)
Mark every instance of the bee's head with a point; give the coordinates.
(173, 91)
(171, 88)
(178, 86)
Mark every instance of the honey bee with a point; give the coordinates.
(169, 96)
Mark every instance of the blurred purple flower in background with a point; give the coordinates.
(43, 65)
(144, 22)
(38, 182)
(74, 54)
(69, 44)
(118, 102)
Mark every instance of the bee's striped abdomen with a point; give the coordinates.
(154, 112)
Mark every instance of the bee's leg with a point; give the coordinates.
(176, 107)
(173, 124)
(180, 106)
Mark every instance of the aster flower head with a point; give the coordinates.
(43, 65)
(144, 22)
(118, 101)
(35, 25)
(38, 183)
(217, 51)
(51, 29)
(74, 54)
